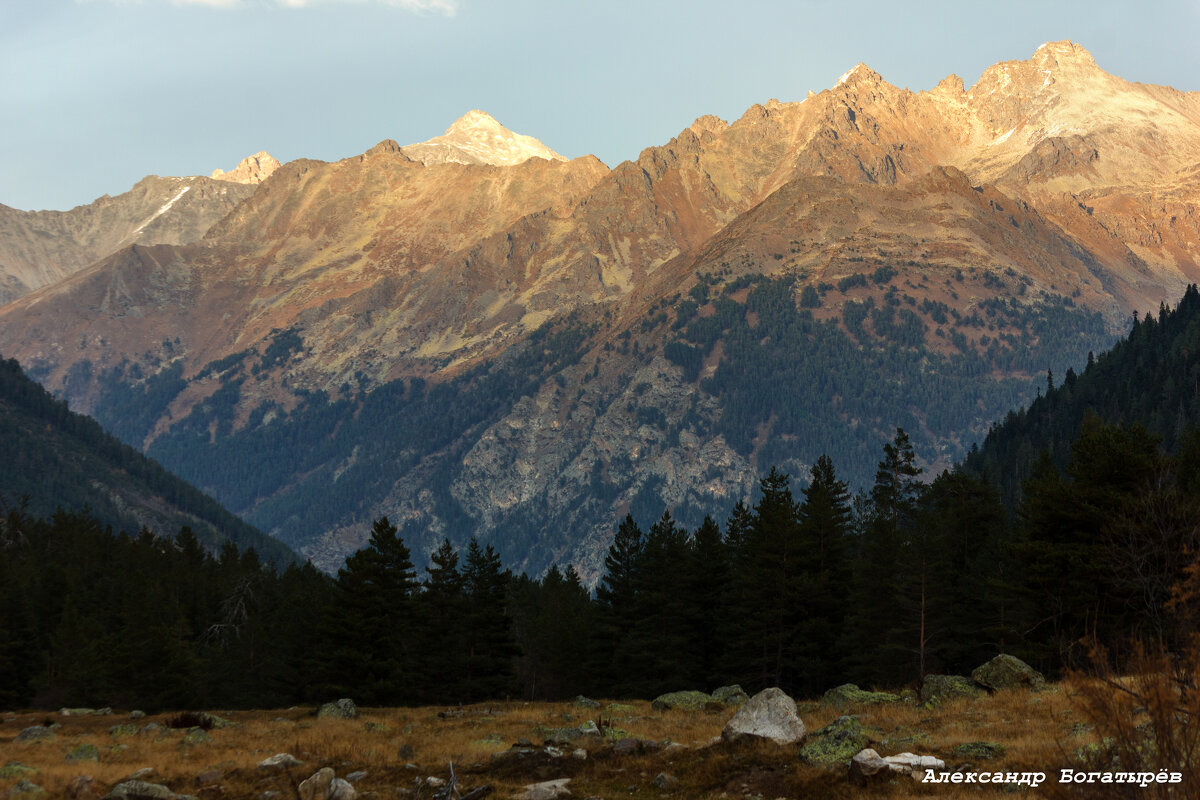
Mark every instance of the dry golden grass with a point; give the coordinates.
(1034, 728)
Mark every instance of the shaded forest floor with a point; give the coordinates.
(399, 749)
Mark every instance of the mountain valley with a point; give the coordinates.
(477, 336)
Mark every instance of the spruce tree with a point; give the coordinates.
(490, 647)
(370, 624)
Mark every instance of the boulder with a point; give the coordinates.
(936, 689)
(77, 712)
(35, 733)
(139, 790)
(83, 787)
(279, 761)
(688, 701)
(730, 695)
(585, 702)
(25, 789)
(15, 769)
(868, 767)
(835, 744)
(846, 695)
(196, 736)
(770, 714)
(325, 785)
(547, 790)
(124, 729)
(913, 764)
(1007, 672)
(339, 709)
(665, 780)
(84, 752)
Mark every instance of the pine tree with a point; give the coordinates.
(441, 609)
(616, 603)
(371, 623)
(491, 648)
(824, 558)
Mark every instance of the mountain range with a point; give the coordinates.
(476, 336)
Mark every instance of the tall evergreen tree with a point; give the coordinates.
(616, 603)
(879, 652)
(441, 612)
(491, 648)
(824, 563)
(370, 624)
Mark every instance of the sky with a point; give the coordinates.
(96, 94)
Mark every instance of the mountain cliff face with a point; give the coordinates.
(477, 336)
(39, 248)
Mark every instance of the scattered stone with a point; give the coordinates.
(83, 787)
(434, 782)
(835, 744)
(196, 736)
(687, 701)
(124, 729)
(730, 695)
(867, 766)
(1007, 672)
(139, 790)
(913, 764)
(103, 712)
(665, 780)
(937, 689)
(141, 774)
(770, 714)
(632, 747)
(554, 752)
(15, 769)
(589, 728)
(77, 712)
(579, 754)
(25, 788)
(35, 733)
(339, 709)
(84, 752)
(136, 714)
(548, 790)
(202, 719)
(325, 785)
(209, 777)
(978, 750)
(584, 702)
(280, 761)
(846, 695)
(355, 777)
(149, 729)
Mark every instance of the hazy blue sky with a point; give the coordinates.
(94, 94)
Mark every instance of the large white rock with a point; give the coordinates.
(549, 790)
(868, 766)
(770, 714)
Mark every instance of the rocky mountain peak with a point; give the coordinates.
(478, 138)
(1065, 53)
(860, 74)
(252, 169)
